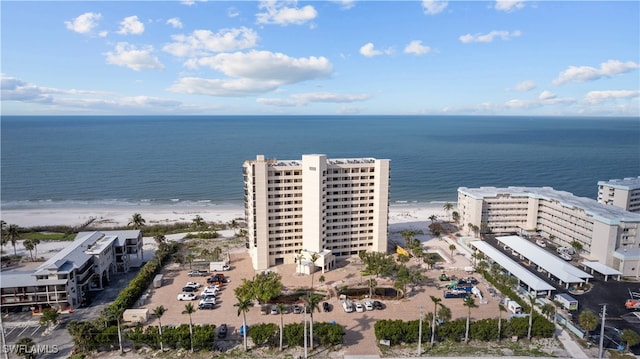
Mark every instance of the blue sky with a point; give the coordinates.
(321, 58)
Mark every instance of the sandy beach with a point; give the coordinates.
(407, 213)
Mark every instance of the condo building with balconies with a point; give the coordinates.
(315, 208)
(607, 234)
(623, 193)
(65, 279)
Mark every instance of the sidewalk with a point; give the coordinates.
(574, 350)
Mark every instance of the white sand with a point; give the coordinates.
(405, 214)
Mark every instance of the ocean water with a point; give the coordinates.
(63, 161)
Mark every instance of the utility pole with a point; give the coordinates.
(604, 314)
(420, 334)
(305, 330)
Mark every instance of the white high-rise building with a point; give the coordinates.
(623, 193)
(328, 207)
(607, 234)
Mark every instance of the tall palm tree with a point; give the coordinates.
(588, 321)
(532, 303)
(455, 216)
(452, 247)
(435, 301)
(448, 207)
(312, 301)
(35, 242)
(433, 218)
(444, 313)
(13, 234)
(28, 245)
(244, 305)
(314, 258)
(190, 309)
(3, 237)
(371, 283)
(160, 238)
(159, 312)
(468, 302)
(234, 226)
(198, 222)
(281, 308)
(500, 310)
(114, 313)
(136, 221)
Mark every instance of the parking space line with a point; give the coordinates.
(34, 332)
(23, 330)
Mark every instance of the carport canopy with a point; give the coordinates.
(554, 265)
(603, 269)
(533, 281)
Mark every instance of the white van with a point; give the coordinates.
(347, 305)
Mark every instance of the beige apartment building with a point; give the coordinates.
(623, 193)
(608, 234)
(297, 210)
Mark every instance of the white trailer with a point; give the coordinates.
(512, 306)
(218, 266)
(568, 302)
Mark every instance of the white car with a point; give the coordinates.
(368, 304)
(566, 256)
(207, 299)
(193, 285)
(211, 290)
(359, 307)
(187, 296)
(541, 242)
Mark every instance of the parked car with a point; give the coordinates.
(206, 306)
(210, 291)
(264, 309)
(197, 273)
(566, 256)
(193, 284)
(326, 306)
(189, 289)
(222, 331)
(541, 242)
(208, 299)
(274, 310)
(187, 296)
(378, 305)
(359, 307)
(296, 309)
(368, 304)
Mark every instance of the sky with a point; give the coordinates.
(529, 58)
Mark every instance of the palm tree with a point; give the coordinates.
(408, 237)
(588, 321)
(26, 347)
(476, 230)
(433, 218)
(243, 307)
(452, 248)
(470, 226)
(3, 236)
(136, 221)
(314, 258)
(444, 313)
(371, 283)
(190, 309)
(198, 222)
(448, 207)
(160, 238)
(234, 226)
(436, 301)
(28, 245)
(312, 301)
(13, 234)
(159, 312)
(630, 337)
(500, 310)
(468, 302)
(114, 313)
(532, 303)
(189, 258)
(281, 308)
(35, 242)
(455, 216)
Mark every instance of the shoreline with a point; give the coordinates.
(120, 215)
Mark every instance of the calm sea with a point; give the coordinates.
(57, 161)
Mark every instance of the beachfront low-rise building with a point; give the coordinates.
(65, 279)
(607, 234)
(315, 208)
(623, 193)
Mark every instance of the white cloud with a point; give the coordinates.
(369, 50)
(345, 4)
(175, 22)
(131, 25)
(313, 97)
(587, 73)
(432, 7)
(252, 73)
(136, 59)
(546, 95)
(416, 47)
(524, 86)
(84, 23)
(279, 13)
(509, 5)
(232, 12)
(596, 97)
(204, 42)
(504, 35)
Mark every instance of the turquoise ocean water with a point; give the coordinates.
(75, 161)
